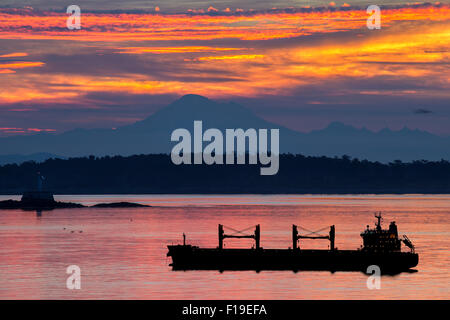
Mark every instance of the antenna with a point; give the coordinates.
(378, 224)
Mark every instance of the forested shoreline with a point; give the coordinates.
(156, 174)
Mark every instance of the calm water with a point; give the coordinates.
(122, 252)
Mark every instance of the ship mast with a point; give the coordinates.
(378, 224)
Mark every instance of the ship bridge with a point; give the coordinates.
(383, 240)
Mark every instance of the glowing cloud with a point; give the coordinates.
(216, 54)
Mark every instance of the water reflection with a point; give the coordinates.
(122, 252)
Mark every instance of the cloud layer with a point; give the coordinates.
(314, 65)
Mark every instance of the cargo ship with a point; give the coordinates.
(381, 247)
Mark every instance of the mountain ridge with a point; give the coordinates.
(152, 135)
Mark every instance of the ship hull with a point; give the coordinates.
(194, 258)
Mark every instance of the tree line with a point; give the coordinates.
(155, 173)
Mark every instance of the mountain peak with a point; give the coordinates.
(192, 98)
(153, 135)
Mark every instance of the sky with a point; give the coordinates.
(297, 63)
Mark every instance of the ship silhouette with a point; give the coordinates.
(381, 247)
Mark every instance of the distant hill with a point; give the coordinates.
(152, 135)
(18, 158)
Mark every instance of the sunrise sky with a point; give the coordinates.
(297, 63)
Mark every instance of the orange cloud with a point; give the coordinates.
(161, 50)
(413, 45)
(20, 65)
(236, 57)
(256, 26)
(14, 55)
(24, 130)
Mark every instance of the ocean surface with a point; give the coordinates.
(122, 252)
